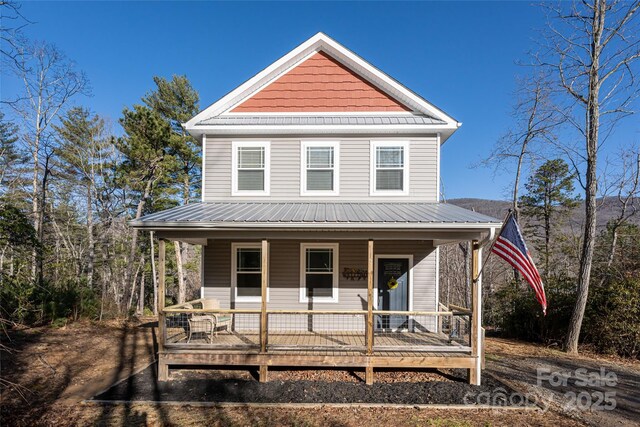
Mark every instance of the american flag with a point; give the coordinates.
(511, 247)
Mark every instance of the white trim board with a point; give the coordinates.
(438, 149)
(437, 295)
(418, 131)
(202, 282)
(203, 168)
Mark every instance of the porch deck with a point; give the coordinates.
(365, 339)
(317, 339)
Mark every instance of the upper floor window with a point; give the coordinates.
(320, 174)
(250, 172)
(389, 168)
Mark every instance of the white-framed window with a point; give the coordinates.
(250, 168)
(319, 272)
(246, 272)
(389, 168)
(320, 172)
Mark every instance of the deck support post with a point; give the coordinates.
(263, 374)
(163, 368)
(368, 375)
(369, 337)
(476, 314)
(263, 300)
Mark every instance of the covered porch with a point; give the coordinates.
(266, 334)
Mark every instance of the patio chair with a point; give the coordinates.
(207, 323)
(199, 324)
(220, 319)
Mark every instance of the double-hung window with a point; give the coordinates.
(320, 172)
(246, 271)
(319, 272)
(389, 168)
(250, 174)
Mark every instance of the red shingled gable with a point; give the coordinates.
(319, 84)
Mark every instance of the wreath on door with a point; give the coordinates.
(392, 283)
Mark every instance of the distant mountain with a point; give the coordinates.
(608, 209)
(494, 208)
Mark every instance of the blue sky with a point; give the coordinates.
(461, 56)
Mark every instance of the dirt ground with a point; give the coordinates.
(54, 370)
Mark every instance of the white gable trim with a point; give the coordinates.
(322, 42)
(321, 113)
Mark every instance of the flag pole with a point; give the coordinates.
(484, 262)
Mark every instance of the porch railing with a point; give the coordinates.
(315, 330)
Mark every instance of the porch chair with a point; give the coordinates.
(207, 323)
(220, 319)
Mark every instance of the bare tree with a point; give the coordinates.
(84, 142)
(11, 25)
(50, 80)
(627, 185)
(591, 48)
(535, 120)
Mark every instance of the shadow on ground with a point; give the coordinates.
(580, 400)
(53, 368)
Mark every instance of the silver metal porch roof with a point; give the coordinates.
(212, 215)
(284, 120)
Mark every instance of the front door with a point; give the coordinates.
(393, 291)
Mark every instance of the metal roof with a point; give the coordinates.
(314, 215)
(311, 120)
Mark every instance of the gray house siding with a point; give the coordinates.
(284, 280)
(354, 170)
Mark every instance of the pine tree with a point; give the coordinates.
(549, 197)
(176, 102)
(11, 159)
(147, 165)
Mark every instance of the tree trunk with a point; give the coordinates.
(181, 287)
(133, 285)
(35, 194)
(40, 217)
(141, 293)
(465, 248)
(547, 241)
(179, 248)
(134, 241)
(154, 274)
(593, 124)
(91, 241)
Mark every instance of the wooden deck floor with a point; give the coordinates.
(303, 349)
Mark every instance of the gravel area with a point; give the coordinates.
(308, 386)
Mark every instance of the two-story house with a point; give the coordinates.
(320, 224)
